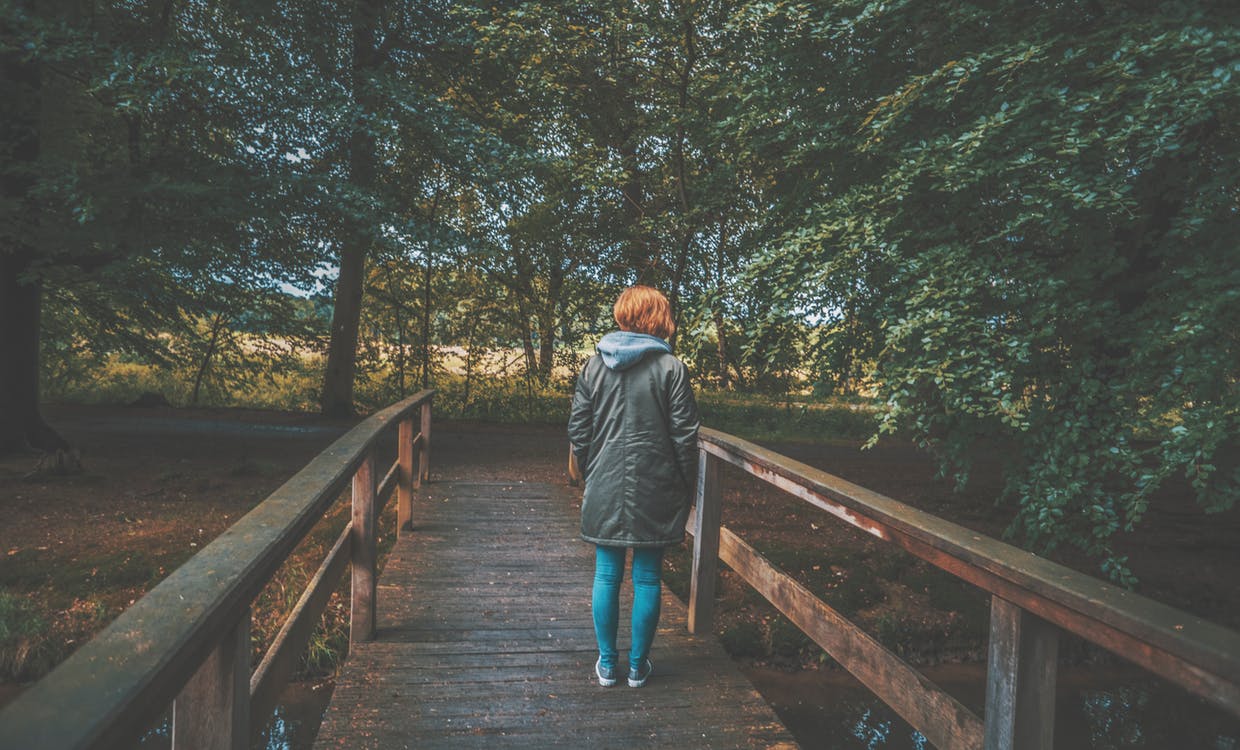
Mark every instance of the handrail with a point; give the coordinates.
(188, 638)
(1032, 599)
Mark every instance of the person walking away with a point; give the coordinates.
(633, 430)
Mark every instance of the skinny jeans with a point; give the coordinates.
(608, 575)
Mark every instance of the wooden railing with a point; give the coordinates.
(187, 642)
(1032, 600)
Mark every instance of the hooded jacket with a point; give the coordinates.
(633, 429)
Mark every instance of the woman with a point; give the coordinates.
(633, 431)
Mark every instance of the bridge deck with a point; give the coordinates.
(485, 638)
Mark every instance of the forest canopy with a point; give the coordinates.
(1002, 224)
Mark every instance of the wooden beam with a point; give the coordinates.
(212, 711)
(424, 457)
(273, 672)
(386, 485)
(944, 721)
(113, 688)
(1198, 655)
(404, 463)
(363, 554)
(707, 516)
(1020, 679)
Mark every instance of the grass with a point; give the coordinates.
(506, 399)
(756, 417)
(22, 631)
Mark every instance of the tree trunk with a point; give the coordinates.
(721, 358)
(21, 422)
(682, 177)
(342, 351)
(337, 400)
(469, 359)
(400, 351)
(217, 326)
(527, 343)
(546, 346)
(720, 269)
(426, 318)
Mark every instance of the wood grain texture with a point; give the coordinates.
(363, 554)
(404, 465)
(213, 710)
(944, 721)
(485, 635)
(706, 519)
(424, 445)
(1020, 679)
(1196, 654)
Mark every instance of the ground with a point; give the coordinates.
(159, 483)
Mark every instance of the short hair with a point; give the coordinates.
(644, 309)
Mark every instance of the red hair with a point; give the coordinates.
(644, 309)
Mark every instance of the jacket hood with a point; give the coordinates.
(623, 349)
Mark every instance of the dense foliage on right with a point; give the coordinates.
(1033, 208)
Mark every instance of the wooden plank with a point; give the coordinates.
(404, 465)
(1020, 679)
(707, 516)
(485, 640)
(117, 685)
(944, 721)
(277, 665)
(1198, 655)
(424, 444)
(212, 711)
(386, 485)
(362, 554)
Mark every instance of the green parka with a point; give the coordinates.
(633, 430)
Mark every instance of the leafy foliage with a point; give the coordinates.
(1037, 222)
(1010, 222)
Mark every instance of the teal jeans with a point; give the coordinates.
(608, 575)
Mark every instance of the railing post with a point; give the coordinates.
(424, 457)
(1020, 679)
(362, 553)
(404, 477)
(213, 710)
(706, 520)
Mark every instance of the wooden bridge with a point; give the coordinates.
(480, 630)
(485, 635)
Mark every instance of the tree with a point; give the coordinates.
(1033, 205)
(21, 423)
(146, 168)
(357, 239)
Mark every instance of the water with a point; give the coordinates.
(1096, 709)
(293, 725)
